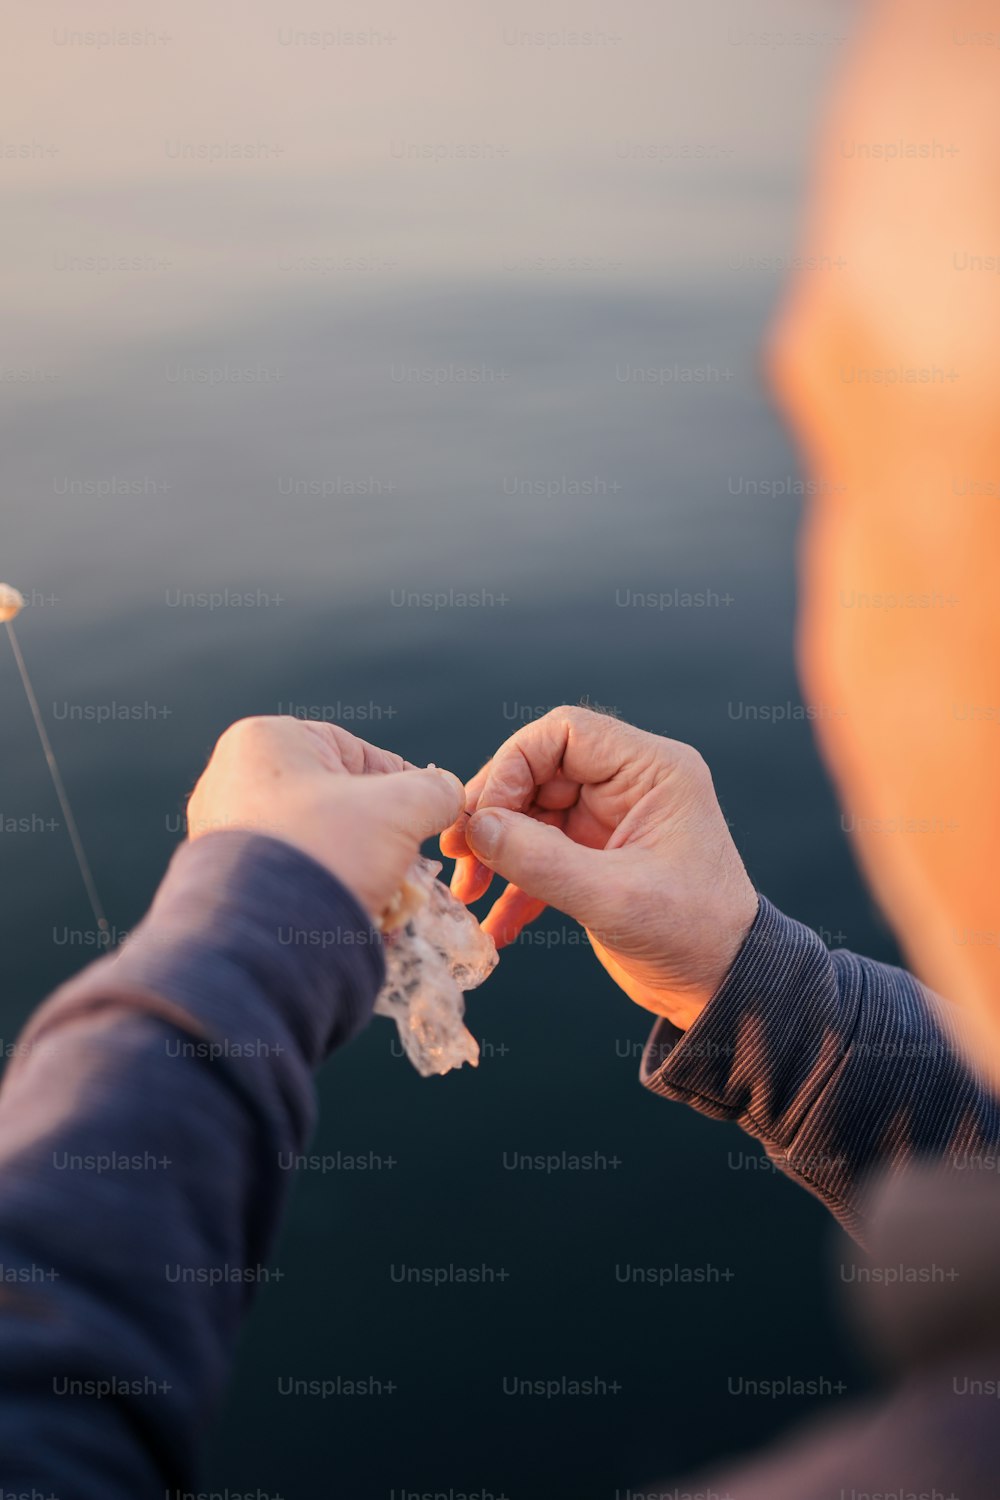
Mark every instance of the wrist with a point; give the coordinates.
(732, 936)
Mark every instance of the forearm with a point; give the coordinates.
(840, 1066)
(145, 1132)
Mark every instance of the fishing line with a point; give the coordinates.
(8, 603)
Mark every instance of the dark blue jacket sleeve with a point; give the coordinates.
(840, 1066)
(147, 1127)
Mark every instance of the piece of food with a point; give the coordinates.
(435, 950)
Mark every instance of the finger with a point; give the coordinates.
(354, 755)
(558, 795)
(453, 845)
(419, 803)
(541, 861)
(470, 880)
(511, 912)
(453, 839)
(568, 745)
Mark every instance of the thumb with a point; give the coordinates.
(419, 803)
(540, 860)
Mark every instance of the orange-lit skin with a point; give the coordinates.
(897, 466)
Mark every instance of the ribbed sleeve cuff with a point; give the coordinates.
(764, 1046)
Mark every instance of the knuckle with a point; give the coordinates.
(575, 713)
(244, 735)
(700, 775)
(685, 762)
(254, 727)
(687, 758)
(564, 713)
(528, 865)
(696, 762)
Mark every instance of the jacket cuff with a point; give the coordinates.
(764, 1047)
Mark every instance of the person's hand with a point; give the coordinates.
(621, 830)
(360, 811)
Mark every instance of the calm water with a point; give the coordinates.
(334, 442)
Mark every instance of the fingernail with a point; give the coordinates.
(483, 833)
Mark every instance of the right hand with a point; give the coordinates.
(360, 811)
(621, 830)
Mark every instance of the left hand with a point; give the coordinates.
(360, 811)
(621, 830)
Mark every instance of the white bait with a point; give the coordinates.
(435, 950)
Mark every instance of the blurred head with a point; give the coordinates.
(887, 363)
